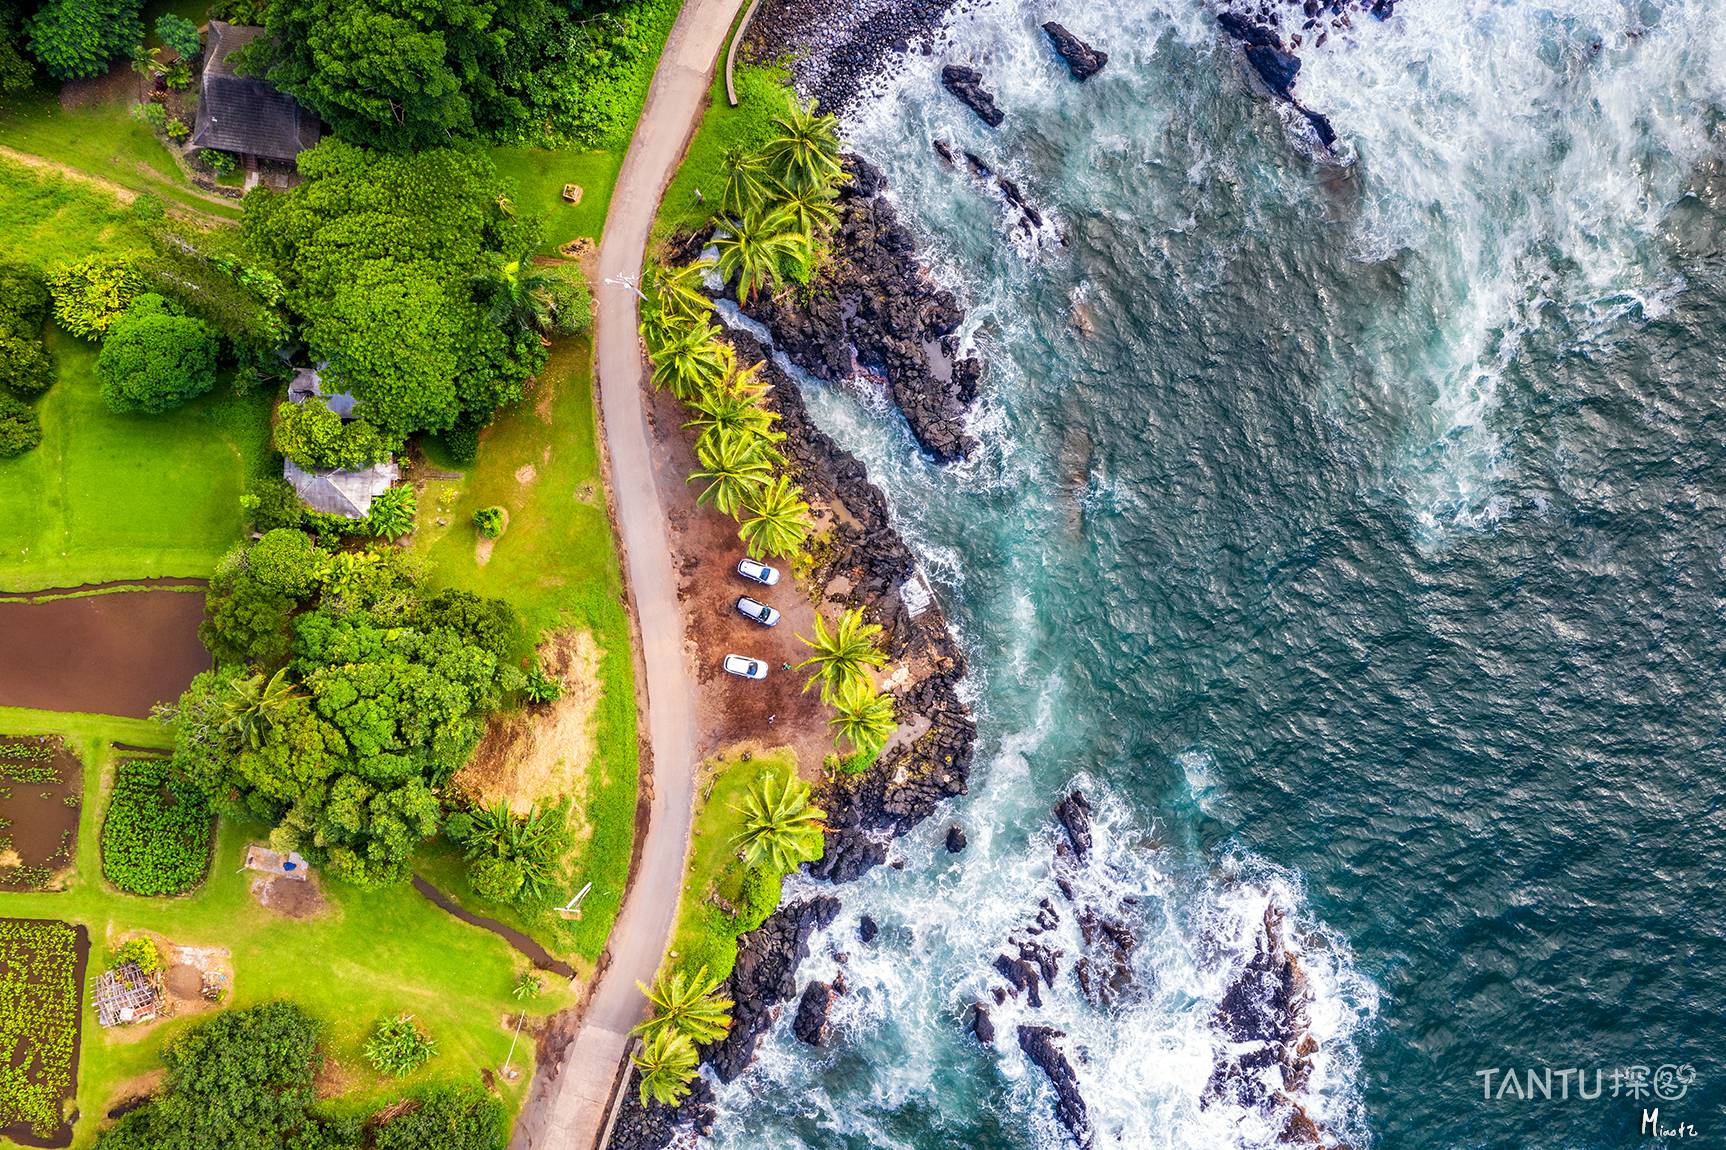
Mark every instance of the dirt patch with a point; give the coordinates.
(114, 654)
(483, 545)
(290, 897)
(120, 85)
(543, 752)
(41, 789)
(526, 474)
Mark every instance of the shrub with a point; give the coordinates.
(220, 162)
(153, 116)
(178, 129)
(25, 365)
(156, 833)
(75, 39)
(141, 950)
(155, 359)
(285, 560)
(180, 34)
(571, 303)
(20, 430)
(452, 1117)
(315, 437)
(541, 687)
(392, 513)
(496, 879)
(23, 301)
(398, 1046)
(489, 521)
(461, 444)
(92, 293)
(271, 502)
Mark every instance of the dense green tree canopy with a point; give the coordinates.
(79, 38)
(380, 255)
(155, 358)
(313, 436)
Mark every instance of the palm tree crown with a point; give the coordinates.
(778, 521)
(688, 1004)
(762, 249)
(863, 717)
(254, 704)
(780, 827)
(691, 362)
(678, 291)
(843, 654)
(804, 151)
(667, 1064)
(735, 466)
(748, 183)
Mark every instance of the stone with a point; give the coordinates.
(982, 1025)
(1082, 60)
(867, 929)
(810, 1025)
(1038, 1043)
(967, 84)
(955, 839)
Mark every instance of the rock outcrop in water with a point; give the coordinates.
(876, 309)
(967, 84)
(766, 977)
(1276, 67)
(1038, 1043)
(1082, 60)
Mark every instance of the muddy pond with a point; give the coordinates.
(115, 653)
(41, 785)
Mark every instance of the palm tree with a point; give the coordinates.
(812, 208)
(748, 183)
(843, 654)
(778, 521)
(687, 1004)
(735, 466)
(678, 291)
(692, 362)
(805, 152)
(780, 827)
(759, 249)
(518, 295)
(862, 717)
(254, 704)
(734, 406)
(667, 1065)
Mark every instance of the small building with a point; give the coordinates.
(345, 493)
(307, 382)
(246, 115)
(126, 994)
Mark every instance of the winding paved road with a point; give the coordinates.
(576, 1111)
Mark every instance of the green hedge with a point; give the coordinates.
(156, 835)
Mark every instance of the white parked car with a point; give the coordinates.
(758, 572)
(745, 668)
(757, 611)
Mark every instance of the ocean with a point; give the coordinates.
(1353, 533)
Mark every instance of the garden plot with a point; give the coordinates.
(41, 785)
(41, 981)
(156, 832)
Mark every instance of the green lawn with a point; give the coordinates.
(103, 140)
(110, 496)
(539, 176)
(368, 954)
(557, 564)
(761, 94)
(705, 934)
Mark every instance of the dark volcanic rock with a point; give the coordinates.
(1038, 1043)
(967, 85)
(765, 977)
(877, 309)
(850, 854)
(866, 929)
(982, 1025)
(1082, 60)
(955, 839)
(1248, 32)
(656, 1126)
(810, 1025)
(1275, 67)
(1074, 813)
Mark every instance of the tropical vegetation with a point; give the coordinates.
(156, 833)
(781, 827)
(667, 1065)
(841, 655)
(40, 992)
(399, 1046)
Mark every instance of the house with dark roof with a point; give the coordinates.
(348, 493)
(246, 115)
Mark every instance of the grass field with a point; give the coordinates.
(368, 954)
(557, 564)
(539, 176)
(705, 935)
(110, 496)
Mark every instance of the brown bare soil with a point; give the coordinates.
(545, 752)
(706, 549)
(183, 982)
(292, 897)
(39, 801)
(113, 654)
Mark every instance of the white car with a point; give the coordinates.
(758, 572)
(745, 668)
(757, 611)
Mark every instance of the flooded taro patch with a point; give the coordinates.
(41, 787)
(42, 965)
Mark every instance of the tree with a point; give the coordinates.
(843, 654)
(804, 150)
(316, 438)
(667, 1064)
(692, 363)
(811, 208)
(780, 826)
(778, 520)
(25, 365)
(155, 359)
(761, 249)
(91, 294)
(687, 1003)
(862, 717)
(180, 34)
(734, 406)
(20, 430)
(735, 466)
(679, 291)
(398, 1046)
(16, 71)
(448, 1117)
(77, 39)
(532, 846)
(254, 703)
(392, 512)
(748, 184)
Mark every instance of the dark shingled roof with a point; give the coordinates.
(244, 114)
